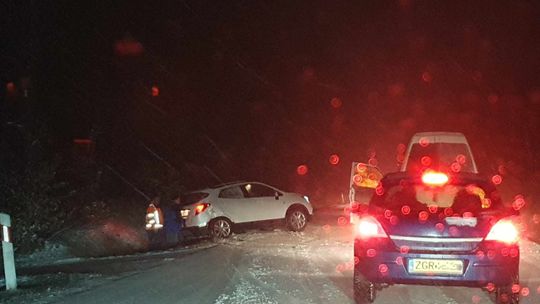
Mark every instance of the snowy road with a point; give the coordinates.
(277, 266)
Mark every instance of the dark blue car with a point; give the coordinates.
(436, 229)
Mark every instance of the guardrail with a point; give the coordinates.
(7, 252)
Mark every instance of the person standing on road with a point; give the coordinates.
(154, 222)
(173, 221)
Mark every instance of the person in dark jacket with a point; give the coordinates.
(173, 222)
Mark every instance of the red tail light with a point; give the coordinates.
(200, 208)
(503, 231)
(433, 178)
(369, 227)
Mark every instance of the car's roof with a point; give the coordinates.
(228, 184)
(440, 137)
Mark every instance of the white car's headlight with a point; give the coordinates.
(306, 198)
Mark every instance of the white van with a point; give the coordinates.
(448, 151)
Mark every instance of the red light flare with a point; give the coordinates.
(480, 254)
(128, 47)
(424, 142)
(356, 260)
(536, 218)
(342, 221)
(525, 291)
(357, 179)
(455, 167)
(10, 88)
(477, 76)
(371, 252)
(493, 99)
(401, 148)
(501, 169)
(423, 216)
(490, 287)
(515, 288)
(405, 210)
(302, 170)
(433, 208)
(426, 161)
(361, 168)
(406, 4)
(427, 77)
(448, 211)
(155, 91)
(383, 268)
(461, 159)
(396, 90)
(518, 203)
(336, 103)
(439, 227)
(334, 159)
(399, 260)
(373, 161)
(404, 249)
(394, 220)
(387, 213)
(496, 179)
(513, 252)
(476, 299)
(82, 141)
(379, 190)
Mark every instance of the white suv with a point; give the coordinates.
(215, 210)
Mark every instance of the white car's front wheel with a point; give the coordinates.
(296, 220)
(220, 228)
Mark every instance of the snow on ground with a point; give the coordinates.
(50, 253)
(286, 267)
(276, 266)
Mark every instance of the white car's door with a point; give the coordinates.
(235, 205)
(267, 206)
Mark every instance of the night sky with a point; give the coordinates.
(253, 89)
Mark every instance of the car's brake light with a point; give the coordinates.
(201, 207)
(369, 227)
(433, 178)
(503, 231)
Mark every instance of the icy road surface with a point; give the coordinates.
(275, 266)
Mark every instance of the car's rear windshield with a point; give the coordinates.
(462, 198)
(440, 156)
(193, 197)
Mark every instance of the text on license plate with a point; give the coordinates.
(184, 213)
(430, 266)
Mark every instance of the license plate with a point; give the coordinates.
(184, 213)
(435, 267)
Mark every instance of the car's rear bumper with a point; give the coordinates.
(195, 231)
(478, 269)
